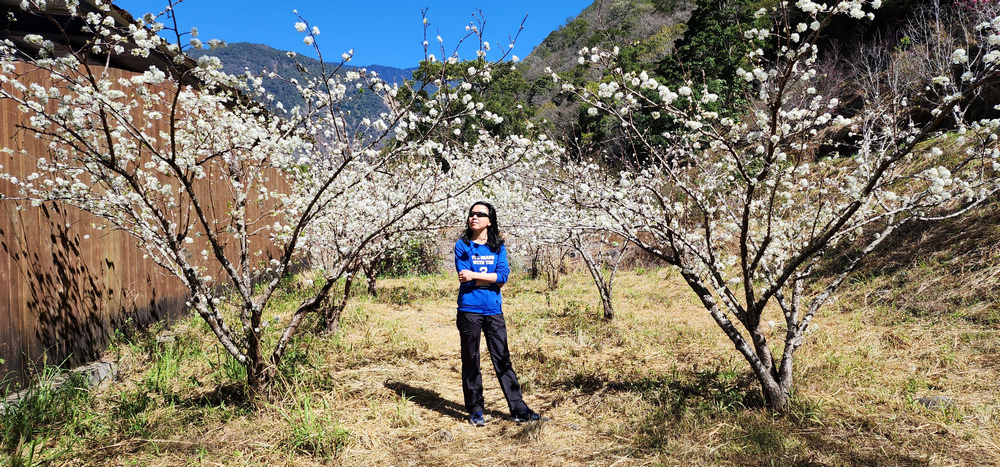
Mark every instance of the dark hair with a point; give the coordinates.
(493, 239)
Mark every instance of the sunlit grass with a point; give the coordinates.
(659, 384)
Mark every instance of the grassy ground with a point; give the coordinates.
(660, 385)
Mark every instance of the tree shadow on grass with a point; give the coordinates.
(720, 388)
(682, 407)
(224, 395)
(858, 449)
(429, 399)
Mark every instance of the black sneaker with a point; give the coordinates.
(527, 416)
(477, 419)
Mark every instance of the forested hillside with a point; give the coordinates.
(649, 27)
(242, 56)
(703, 43)
(655, 24)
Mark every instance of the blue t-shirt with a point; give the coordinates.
(482, 299)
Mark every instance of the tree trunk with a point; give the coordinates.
(536, 263)
(777, 396)
(775, 388)
(609, 309)
(332, 319)
(775, 383)
(604, 286)
(258, 381)
(257, 384)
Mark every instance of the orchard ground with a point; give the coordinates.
(658, 385)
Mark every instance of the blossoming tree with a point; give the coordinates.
(745, 207)
(141, 153)
(550, 228)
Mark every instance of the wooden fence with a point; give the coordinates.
(66, 287)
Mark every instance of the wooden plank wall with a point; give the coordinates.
(65, 287)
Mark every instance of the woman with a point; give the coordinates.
(481, 262)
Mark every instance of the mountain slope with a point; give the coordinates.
(645, 31)
(605, 23)
(239, 57)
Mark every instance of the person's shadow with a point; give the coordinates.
(430, 400)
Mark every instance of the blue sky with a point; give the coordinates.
(382, 32)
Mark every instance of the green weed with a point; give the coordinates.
(166, 367)
(226, 370)
(130, 414)
(56, 405)
(315, 432)
(405, 416)
(913, 384)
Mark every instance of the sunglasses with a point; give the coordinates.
(478, 214)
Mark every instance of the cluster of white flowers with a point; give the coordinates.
(959, 56)
(305, 182)
(754, 182)
(345, 195)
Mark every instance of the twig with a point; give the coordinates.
(619, 461)
(191, 443)
(142, 440)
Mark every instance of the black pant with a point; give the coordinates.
(470, 327)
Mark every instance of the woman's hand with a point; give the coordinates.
(481, 278)
(465, 275)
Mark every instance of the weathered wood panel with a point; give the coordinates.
(64, 285)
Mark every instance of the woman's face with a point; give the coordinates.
(479, 217)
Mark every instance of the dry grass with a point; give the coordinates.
(660, 385)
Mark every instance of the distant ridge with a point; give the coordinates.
(238, 57)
